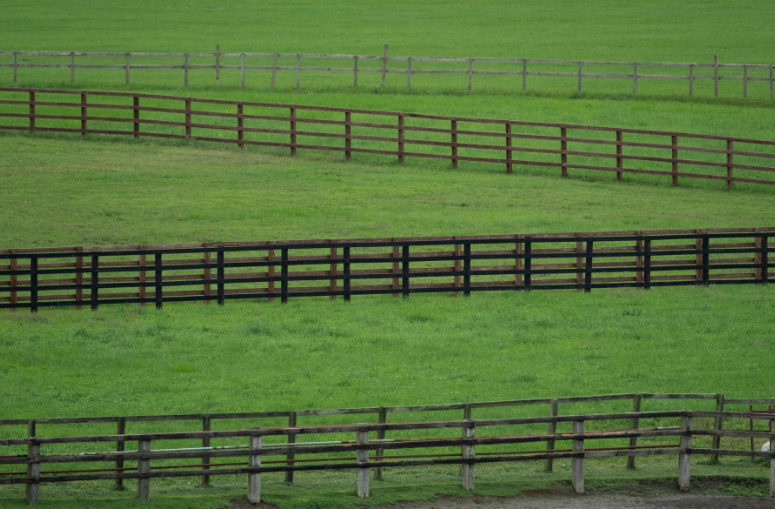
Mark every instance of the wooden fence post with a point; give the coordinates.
(72, 67)
(524, 74)
(469, 433)
(718, 426)
(578, 463)
(691, 79)
(458, 266)
(346, 272)
(453, 130)
(517, 262)
(396, 269)
(765, 259)
(207, 274)
(32, 112)
(254, 480)
(635, 79)
(362, 456)
(685, 458)
(757, 256)
(467, 269)
(144, 467)
(355, 71)
(619, 160)
(15, 281)
(188, 119)
(284, 276)
(83, 115)
(588, 268)
(551, 428)
(563, 148)
(298, 71)
(217, 65)
(332, 267)
(120, 445)
(647, 264)
(293, 131)
(470, 73)
(33, 284)
(466, 417)
(772, 458)
(729, 164)
(136, 107)
(409, 73)
(405, 270)
(382, 419)
(185, 71)
(634, 424)
(674, 143)
(240, 124)
(580, 74)
(508, 147)
(95, 282)
(221, 275)
(579, 265)
(206, 426)
(528, 263)
(127, 68)
(33, 469)
(384, 65)
(271, 272)
(400, 139)
(347, 134)
(291, 440)
(242, 71)
(274, 69)
(698, 257)
(78, 277)
(715, 75)
(158, 280)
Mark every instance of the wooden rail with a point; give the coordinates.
(630, 71)
(96, 275)
(568, 147)
(363, 447)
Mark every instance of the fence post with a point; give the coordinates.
(127, 68)
(291, 440)
(466, 417)
(188, 119)
(508, 147)
(563, 149)
(15, 281)
(120, 445)
(136, 107)
(705, 260)
(691, 79)
(240, 133)
(83, 115)
(470, 73)
(270, 272)
(185, 72)
(409, 73)
(221, 262)
(745, 82)
(254, 480)
(765, 258)
(298, 70)
(142, 276)
(634, 424)
(685, 458)
(453, 130)
(384, 65)
(729, 164)
(579, 264)
(757, 256)
(346, 272)
(206, 426)
(674, 143)
(382, 419)
(396, 269)
(528, 263)
(332, 267)
(400, 138)
(517, 262)
(32, 112)
(144, 467)
(588, 269)
(72, 67)
(619, 160)
(362, 456)
(158, 280)
(578, 463)
(458, 266)
(33, 284)
(284, 275)
(772, 457)
(551, 428)
(15, 66)
(469, 433)
(293, 131)
(217, 65)
(635, 79)
(242, 71)
(647, 264)
(718, 426)
(405, 270)
(580, 71)
(274, 69)
(715, 75)
(207, 260)
(95, 281)
(33, 469)
(347, 133)
(355, 71)
(466, 270)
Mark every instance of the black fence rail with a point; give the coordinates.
(34, 278)
(475, 448)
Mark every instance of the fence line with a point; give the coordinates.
(446, 139)
(363, 447)
(469, 72)
(397, 266)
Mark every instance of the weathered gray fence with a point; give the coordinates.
(632, 71)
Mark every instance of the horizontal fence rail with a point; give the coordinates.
(568, 147)
(478, 443)
(517, 67)
(92, 276)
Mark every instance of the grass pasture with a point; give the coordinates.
(64, 190)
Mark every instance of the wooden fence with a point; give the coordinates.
(468, 456)
(454, 139)
(34, 278)
(631, 71)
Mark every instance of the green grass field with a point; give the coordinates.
(60, 190)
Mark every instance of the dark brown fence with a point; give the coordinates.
(573, 69)
(487, 445)
(96, 275)
(507, 142)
